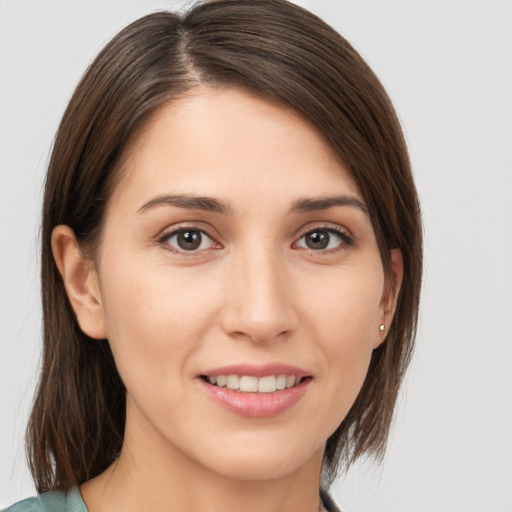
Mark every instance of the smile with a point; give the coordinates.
(252, 384)
(255, 391)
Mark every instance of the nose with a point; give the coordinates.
(258, 303)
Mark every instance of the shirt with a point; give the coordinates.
(56, 501)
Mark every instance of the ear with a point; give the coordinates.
(80, 281)
(390, 295)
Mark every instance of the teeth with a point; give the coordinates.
(250, 384)
(281, 382)
(267, 384)
(233, 382)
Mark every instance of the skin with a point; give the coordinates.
(254, 292)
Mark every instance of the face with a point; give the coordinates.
(237, 252)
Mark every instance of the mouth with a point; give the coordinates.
(256, 391)
(253, 384)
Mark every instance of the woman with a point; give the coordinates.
(231, 266)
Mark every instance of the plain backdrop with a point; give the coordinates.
(447, 66)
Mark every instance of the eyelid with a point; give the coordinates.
(169, 232)
(347, 239)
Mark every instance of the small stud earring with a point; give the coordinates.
(382, 328)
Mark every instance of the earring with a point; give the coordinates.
(382, 328)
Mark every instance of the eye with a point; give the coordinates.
(323, 240)
(188, 240)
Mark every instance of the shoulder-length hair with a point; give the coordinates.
(284, 53)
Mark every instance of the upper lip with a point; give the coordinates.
(257, 370)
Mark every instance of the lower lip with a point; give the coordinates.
(256, 405)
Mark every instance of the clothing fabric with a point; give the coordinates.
(56, 501)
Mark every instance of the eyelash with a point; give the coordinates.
(164, 241)
(346, 241)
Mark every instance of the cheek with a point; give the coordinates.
(344, 318)
(154, 321)
(346, 306)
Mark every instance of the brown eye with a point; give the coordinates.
(317, 240)
(324, 239)
(188, 240)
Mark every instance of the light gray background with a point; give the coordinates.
(447, 65)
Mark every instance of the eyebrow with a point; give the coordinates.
(307, 204)
(209, 204)
(188, 202)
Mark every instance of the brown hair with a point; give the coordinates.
(273, 48)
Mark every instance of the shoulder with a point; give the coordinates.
(54, 501)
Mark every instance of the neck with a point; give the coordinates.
(155, 475)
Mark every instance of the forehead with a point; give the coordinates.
(227, 141)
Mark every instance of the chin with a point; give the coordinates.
(270, 461)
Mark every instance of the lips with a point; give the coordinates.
(250, 383)
(256, 391)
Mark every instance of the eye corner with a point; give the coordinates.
(188, 241)
(324, 239)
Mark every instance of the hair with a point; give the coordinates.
(281, 52)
